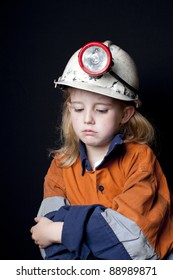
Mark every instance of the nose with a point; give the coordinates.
(88, 117)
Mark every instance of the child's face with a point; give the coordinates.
(96, 118)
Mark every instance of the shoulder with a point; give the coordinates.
(139, 150)
(57, 165)
(53, 170)
(139, 155)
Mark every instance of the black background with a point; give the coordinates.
(37, 39)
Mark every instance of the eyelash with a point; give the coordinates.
(78, 110)
(100, 111)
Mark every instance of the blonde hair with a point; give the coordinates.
(137, 130)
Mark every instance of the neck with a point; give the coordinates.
(95, 154)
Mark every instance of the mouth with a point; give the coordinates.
(89, 132)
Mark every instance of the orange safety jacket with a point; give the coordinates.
(132, 188)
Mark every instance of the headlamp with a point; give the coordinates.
(95, 58)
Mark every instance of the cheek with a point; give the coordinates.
(110, 128)
(113, 120)
(75, 120)
(112, 124)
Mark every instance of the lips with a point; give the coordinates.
(89, 132)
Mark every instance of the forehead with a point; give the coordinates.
(80, 95)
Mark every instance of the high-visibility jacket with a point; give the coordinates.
(120, 210)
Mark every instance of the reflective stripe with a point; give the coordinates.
(130, 235)
(50, 204)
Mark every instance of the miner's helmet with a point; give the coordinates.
(103, 68)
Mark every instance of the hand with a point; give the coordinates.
(46, 232)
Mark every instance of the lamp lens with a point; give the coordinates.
(95, 58)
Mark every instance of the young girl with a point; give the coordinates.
(105, 194)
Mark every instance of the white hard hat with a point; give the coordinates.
(103, 68)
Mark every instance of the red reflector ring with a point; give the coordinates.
(95, 58)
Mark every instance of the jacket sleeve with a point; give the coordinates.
(53, 181)
(96, 232)
(48, 205)
(146, 200)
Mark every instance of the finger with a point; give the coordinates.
(36, 242)
(36, 219)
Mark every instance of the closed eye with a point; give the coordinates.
(102, 111)
(78, 110)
